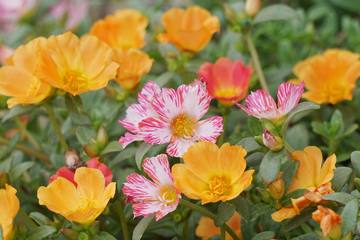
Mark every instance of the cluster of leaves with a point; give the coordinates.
(89, 123)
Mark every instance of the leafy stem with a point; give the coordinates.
(209, 214)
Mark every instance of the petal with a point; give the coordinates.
(187, 182)
(91, 182)
(179, 146)
(148, 92)
(60, 196)
(158, 169)
(168, 103)
(241, 184)
(284, 213)
(233, 161)
(260, 104)
(209, 129)
(129, 138)
(146, 208)
(327, 170)
(134, 115)
(288, 96)
(138, 188)
(155, 131)
(196, 100)
(206, 228)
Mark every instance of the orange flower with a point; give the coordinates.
(133, 64)
(312, 175)
(9, 207)
(329, 221)
(77, 65)
(123, 30)
(329, 77)
(277, 187)
(82, 202)
(212, 174)
(226, 80)
(189, 29)
(19, 78)
(207, 229)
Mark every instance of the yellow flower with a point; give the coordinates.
(82, 203)
(207, 228)
(277, 187)
(77, 65)
(9, 207)
(133, 64)
(330, 222)
(123, 30)
(189, 29)
(19, 78)
(212, 174)
(329, 77)
(312, 175)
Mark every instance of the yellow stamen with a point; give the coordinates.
(183, 126)
(74, 81)
(168, 195)
(219, 185)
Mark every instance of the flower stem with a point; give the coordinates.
(56, 126)
(209, 214)
(26, 134)
(30, 151)
(118, 207)
(257, 64)
(222, 233)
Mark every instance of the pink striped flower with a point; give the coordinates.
(11, 11)
(74, 11)
(166, 115)
(158, 196)
(260, 104)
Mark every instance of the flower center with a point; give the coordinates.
(219, 185)
(168, 195)
(183, 126)
(75, 81)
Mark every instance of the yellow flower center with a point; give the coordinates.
(75, 81)
(168, 195)
(183, 126)
(228, 92)
(219, 185)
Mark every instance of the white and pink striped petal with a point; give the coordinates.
(196, 100)
(288, 96)
(158, 169)
(209, 129)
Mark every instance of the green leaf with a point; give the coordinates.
(17, 171)
(104, 236)
(42, 232)
(10, 146)
(270, 166)
(307, 236)
(39, 218)
(340, 197)
(341, 176)
(113, 146)
(300, 111)
(349, 216)
(164, 78)
(85, 134)
(298, 136)
(264, 236)
(275, 12)
(16, 111)
(141, 227)
(289, 170)
(355, 161)
(249, 144)
(1, 234)
(224, 213)
(140, 153)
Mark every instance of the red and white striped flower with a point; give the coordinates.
(166, 115)
(158, 196)
(260, 104)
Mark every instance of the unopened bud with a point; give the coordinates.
(252, 7)
(72, 159)
(277, 187)
(274, 143)
(229, 13)
(102, 137)
(70, 234)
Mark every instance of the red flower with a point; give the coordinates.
(226, 80)
(64, 172)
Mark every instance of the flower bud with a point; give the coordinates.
(277, 187)
(274, 143)
(252, 7)
(72, 158)
(102, 137)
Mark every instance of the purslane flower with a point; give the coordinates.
(271, 141)
(166, 115)
(226, 80)
(158, 196)
(123, 30)
(133, 64)
(189, 29)
(330, 221)
(312, 175)
(82, 202)
(19, 78)
(260, 104)
(9, 208)
(329, 77)
(212, 174)
(68, 64)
